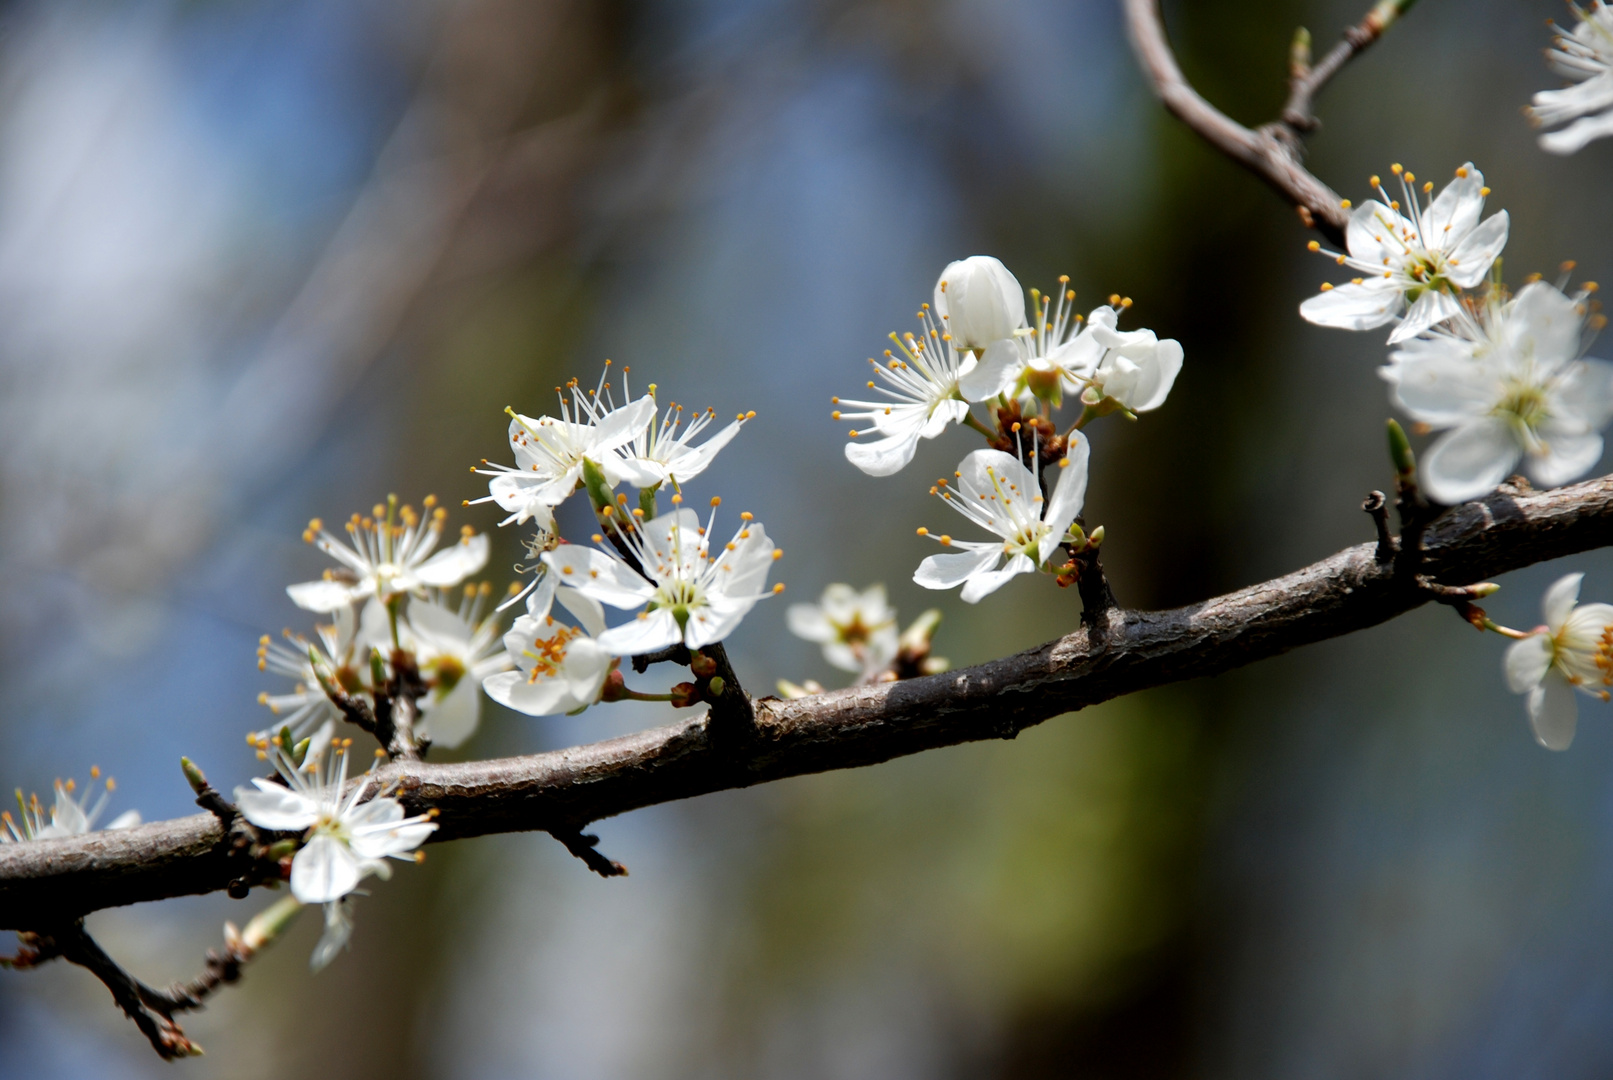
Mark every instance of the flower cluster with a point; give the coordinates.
(1503, 376)
(69, 814)
(1584, 56)
(407, 645)
(1019, 356)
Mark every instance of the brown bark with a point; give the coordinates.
(46, 883)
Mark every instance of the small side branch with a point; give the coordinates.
(151, 1010)
(1275, 151)
(584, 846)
(1307, 81)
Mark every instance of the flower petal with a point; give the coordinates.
(338, 930)
(1470, 461)
(585, 609)
(646, 633)
(1553, 713)
(981, 585)
(1472, 258)
(1526, 662)
(324, 870)
(1558, 602)
(269, 805)
(1431, 309)
(953, 569)
(452, 720)
(605, 578)
(1366, 306)
(884, 457)
(996, 373)
(320, 596)
(1069, 492)
(454, 564)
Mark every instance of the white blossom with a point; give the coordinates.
(344, 838)
(856, 629)
(1422, 260)
(550, 452)
(922, 386)
(456, 649)
(1583, 55)
(1134, 369)
(997, 492)
(688, 593)
(1054, 357)
(337, 653)
(561, 668)
(662, 454)
(69, 815)
(1506, 382)
(979, 302)
(1571, 651)
(390, 553)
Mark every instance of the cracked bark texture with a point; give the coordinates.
(44, 883)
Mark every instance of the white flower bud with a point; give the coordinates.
(980, 301)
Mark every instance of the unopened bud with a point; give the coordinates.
(1096, 538)
(267, 924)
(915, 640)
(1483, 588)
(790, 691)
(193, 775)
(684, 694)
(593, 477)
(1405, 462)
(300, 752)
(615, 688)
(702, 665)
(718, 685)
(281, 848)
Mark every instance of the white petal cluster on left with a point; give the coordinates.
(1584, 56)
(1506, 382)
(69, 814)
(1572, 651)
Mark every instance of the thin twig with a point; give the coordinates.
(1304, 87)
(43, 882)
(151, 1010)
(1274, 151)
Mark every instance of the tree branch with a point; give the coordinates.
(46, 882)
(1275, 151)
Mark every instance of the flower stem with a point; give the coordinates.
(970, 419)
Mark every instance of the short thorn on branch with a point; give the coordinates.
(677, 654)
(584, 847)
(1376, 505)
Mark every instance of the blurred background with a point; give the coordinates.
(261, 261)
